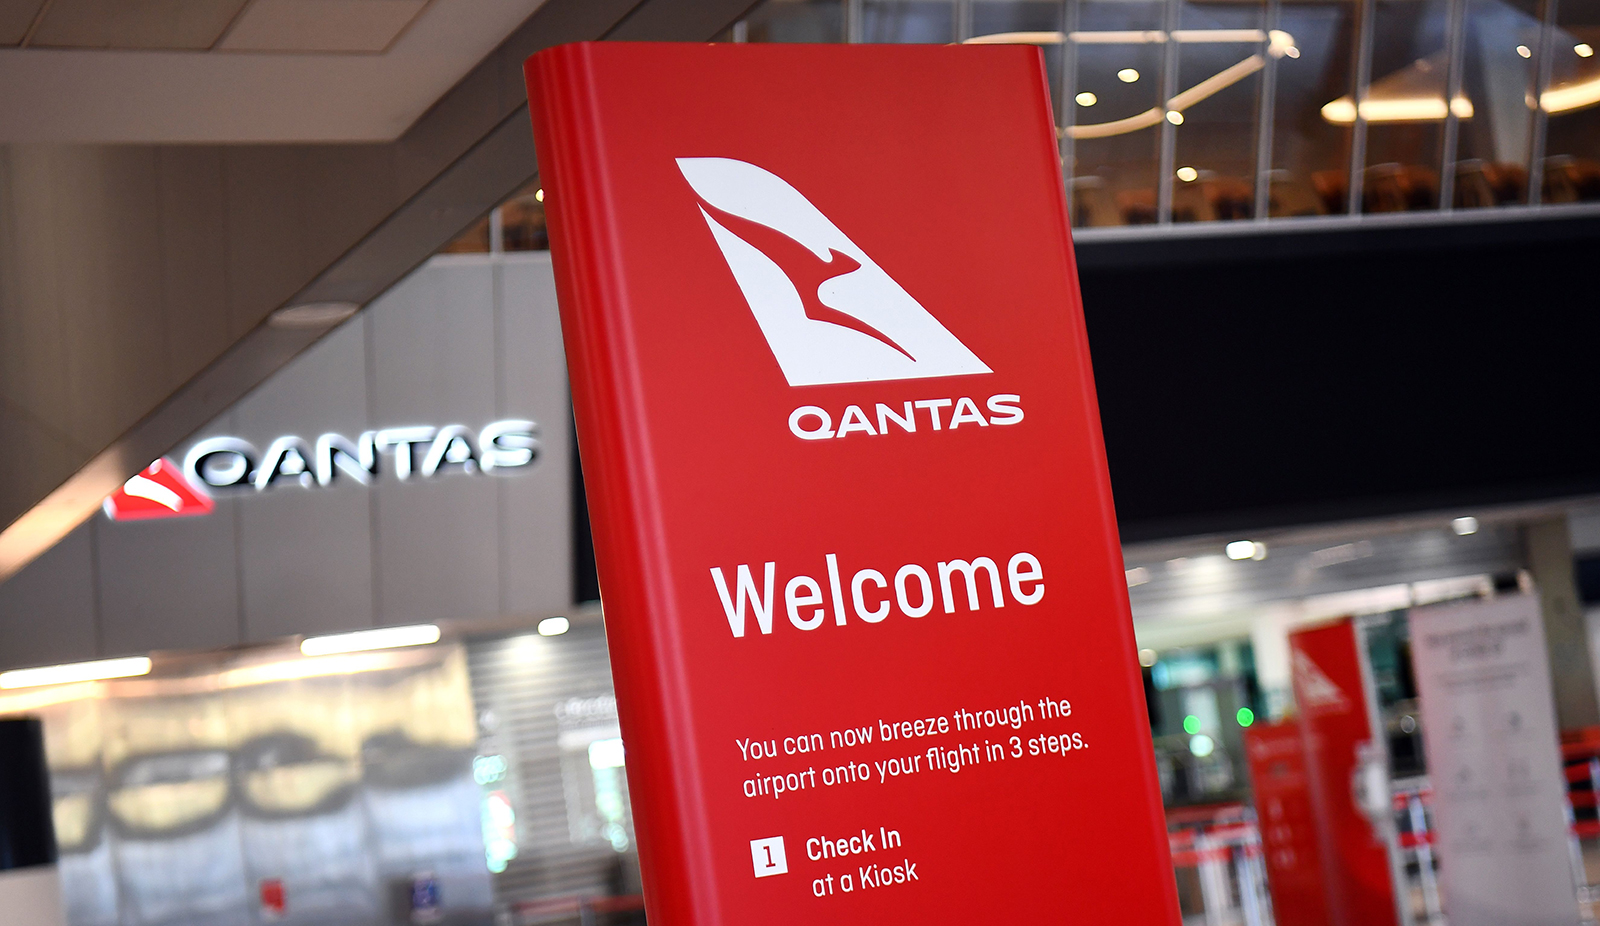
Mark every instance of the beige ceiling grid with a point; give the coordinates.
(281, 26)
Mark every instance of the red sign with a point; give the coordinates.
(274, 901)
(864, 591)
(1339, 750)
(1277, 757)
(160, 491)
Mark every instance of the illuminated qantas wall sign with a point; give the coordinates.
(232, 463)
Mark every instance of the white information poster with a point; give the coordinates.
(1489, 729)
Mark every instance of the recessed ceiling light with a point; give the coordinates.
(1464, 526)
(539, 194)
(1147, 658)
(1241, 549)
(1524, 51)
(312, 315)
(1174, 117)
(1584, 49)
(1188, 174)
(1127, 75)
(1087, 99)
(554, 626)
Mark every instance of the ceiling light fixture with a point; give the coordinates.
(1127, 75)
(1087, 99)
(312, 315)
(100, 669)
(1188, 174)
(1152, 116)
(1524, 51)
(1464, 526)
(1406, 109)
(362, 640)
(1584, 50)
(1134, 37)
(554, 626)
(1568, 97)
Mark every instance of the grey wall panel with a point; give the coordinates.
(536, 510)
(306, 553)
(47, 612)
(437, 550)
(433, 361)
(433, 347)
(306, 562)
(168, 584)
(194, 274)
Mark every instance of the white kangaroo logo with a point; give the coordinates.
(828, 312)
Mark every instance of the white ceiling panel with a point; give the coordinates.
(65, 95)
(321, 25)
(165, 24)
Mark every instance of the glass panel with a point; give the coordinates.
(994, 16)
(991, 17)
(908, 21)
(474, 240)
(796, 21)
(1501, 52)
(1115, 138)
(1406, 106)
(1306, 52)
(1572, 149)
(522, 222)
(1310, 145)
(1222, 48)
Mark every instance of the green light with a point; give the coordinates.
(1246, 716)
(1191, 725)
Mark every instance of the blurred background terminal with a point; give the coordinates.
(1332, 255)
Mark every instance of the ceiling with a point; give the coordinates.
(236, 71)
(347, 26)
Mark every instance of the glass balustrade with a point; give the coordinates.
(1193, 111)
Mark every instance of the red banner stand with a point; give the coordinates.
(1277, 756)
(863, 589)
(1336, 722)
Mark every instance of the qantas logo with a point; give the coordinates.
(829, 314)
(1319, 692)
(161, 491)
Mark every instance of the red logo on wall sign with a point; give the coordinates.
(274, 899)
(158, 492)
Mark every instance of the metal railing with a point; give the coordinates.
(1173, 112)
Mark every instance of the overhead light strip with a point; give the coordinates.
(100, 669)
(362, 640)
(1153, 116)
(1127, 37)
